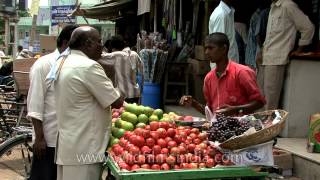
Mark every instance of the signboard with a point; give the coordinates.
(59, 15)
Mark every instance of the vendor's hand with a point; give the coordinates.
(227, 110)
(39, 147)
(186, 101)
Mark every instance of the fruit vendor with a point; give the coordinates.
(230, 88)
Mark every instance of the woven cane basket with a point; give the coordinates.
(258, 137)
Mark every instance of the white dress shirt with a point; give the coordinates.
(40, 100)
(285, 19)
(222, 20)
(84, 95)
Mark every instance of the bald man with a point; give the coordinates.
(84, 97)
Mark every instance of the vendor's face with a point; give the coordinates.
(94, 48)
(213, 52)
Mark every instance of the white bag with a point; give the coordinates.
(260, 154)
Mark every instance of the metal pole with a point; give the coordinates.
(33, 31)
(6, 32)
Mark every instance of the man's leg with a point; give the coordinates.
(44, 168)
(260, 77)
(273, 82)
(80, 172)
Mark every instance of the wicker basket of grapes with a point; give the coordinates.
(237, 133)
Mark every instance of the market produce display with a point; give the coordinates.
(164, 146)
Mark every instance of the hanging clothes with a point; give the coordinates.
(143, 6)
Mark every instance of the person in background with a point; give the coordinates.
(2, 54)
(42, 111)
(230, 88)
(84, 97)
(25, 53)
(127, 65)
(19, 49)
(222, 20)
(257, 29)
(285, 19)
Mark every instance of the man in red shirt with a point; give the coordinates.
(230, 88)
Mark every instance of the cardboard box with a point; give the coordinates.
(199, 53)
(48, 43)
(199, 67)
(283, 159)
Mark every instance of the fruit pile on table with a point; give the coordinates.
(143, 138)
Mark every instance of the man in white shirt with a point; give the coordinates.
(285, 19)
(84, 97)
(42, 111)
(222, 20)
(126, 64)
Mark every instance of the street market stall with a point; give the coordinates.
(148, 143)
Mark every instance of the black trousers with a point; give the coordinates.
(44, 168)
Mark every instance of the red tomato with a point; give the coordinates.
(145, 166)
(145, 150)
(176, 166)
(146, 133)
(154, 125)
(181, 159)
(171, 160)
(193, 165)
(196, 159)
(150, 142)
(150, 158)
(161, 158)
(171, 132)
(154, 135)
(162, 143)
(193, 135)
(174, 151)
(162, 132)
(128, 134)
(203, 136)
(210, 163)
(168, 139)
(147, 127)
(164, 125)
(195, 130)
(164, 151)
(202, 165)
(135, 167)
(134, 150)
(138, 131)
(140, 159)
(165, 166)
(155, 167)
(129, 159)
(124, 165)
(172, 144)
(138, 141)
(182, 149)
(177, 138)
(191, 148)
(196, 141)
(156, 149)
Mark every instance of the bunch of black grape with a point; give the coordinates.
(226, 127)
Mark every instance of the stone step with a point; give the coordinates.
(305, 165)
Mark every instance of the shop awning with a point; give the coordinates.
(109, 10)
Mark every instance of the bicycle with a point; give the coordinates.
(15, 128)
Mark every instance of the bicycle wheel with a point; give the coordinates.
(16, 155)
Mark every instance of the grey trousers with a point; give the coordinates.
(270, 79)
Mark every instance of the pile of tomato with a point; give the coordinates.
(165, 146)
